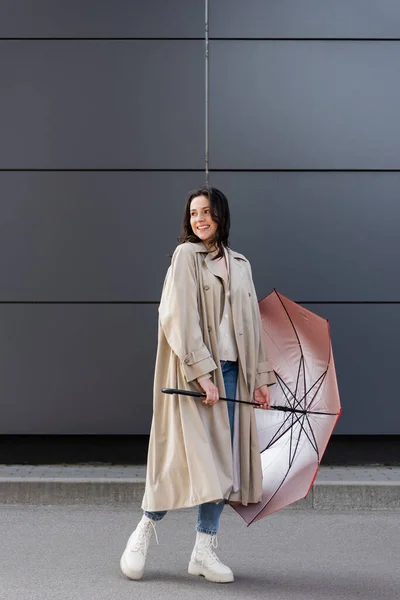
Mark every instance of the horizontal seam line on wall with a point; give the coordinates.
(211, 38)
(304, 170)
(101, 170)
(302, 39)
(100, 39)
(158, 302)
(105, 170)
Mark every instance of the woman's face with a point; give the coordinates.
(200, 219)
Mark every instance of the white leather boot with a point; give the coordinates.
(205, 562)
(134, 557)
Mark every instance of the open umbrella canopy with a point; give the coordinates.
(292, 443)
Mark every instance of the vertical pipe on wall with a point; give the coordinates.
(206, 89)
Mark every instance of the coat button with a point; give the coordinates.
(206, 287)
(249, 294)
(209, 328)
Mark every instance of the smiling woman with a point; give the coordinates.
(204, 453)
(207, 219)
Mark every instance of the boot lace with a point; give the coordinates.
(208, 552)
(142, 539)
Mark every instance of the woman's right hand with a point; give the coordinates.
(211, 390)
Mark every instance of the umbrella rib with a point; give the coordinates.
(291, 458)
(313, 436)
(275, 438)
(321, 380)
(298, 378)
(321, 377)
(309, 390)
(305, 416)
(296, 334)
(291, 322)
(301, 423)
(297, 402)
(297, 417)
(304, 384)
(272, 441)
(315, 447)
(287, 387)
(289, 428)
(291, 438)
(273, 495)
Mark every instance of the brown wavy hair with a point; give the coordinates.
(220, 214)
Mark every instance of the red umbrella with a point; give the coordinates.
(292, 442)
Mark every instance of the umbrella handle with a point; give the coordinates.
(280, 408)
(204, 395)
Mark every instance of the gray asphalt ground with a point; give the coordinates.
(73, 552)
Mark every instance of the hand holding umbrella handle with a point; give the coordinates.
(203, 395)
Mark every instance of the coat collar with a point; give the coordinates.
(236, 264)
(201, 247)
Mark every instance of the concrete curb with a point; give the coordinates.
(346, 495)
(102, 491)
(338, 495)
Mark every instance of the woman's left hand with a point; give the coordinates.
(261, 396)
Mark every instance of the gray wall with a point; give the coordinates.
(102, 135)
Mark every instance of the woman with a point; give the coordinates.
(204, 453)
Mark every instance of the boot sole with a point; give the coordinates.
(196, 569)
(128, 572)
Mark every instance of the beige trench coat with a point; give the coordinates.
(190, 458)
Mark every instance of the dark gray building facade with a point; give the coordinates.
(102, 134)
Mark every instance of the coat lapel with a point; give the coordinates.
(236, 266)
(213, 266)
(237, 270)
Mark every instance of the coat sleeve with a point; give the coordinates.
(265, 374)
(179, 315)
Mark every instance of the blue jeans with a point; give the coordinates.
(209, 513)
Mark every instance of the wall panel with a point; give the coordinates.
(364, 340)
(89, 236)
(102, 105)
(77, 369)
(101, 18)
(305, 19)
(304, 105)
(318, 236)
